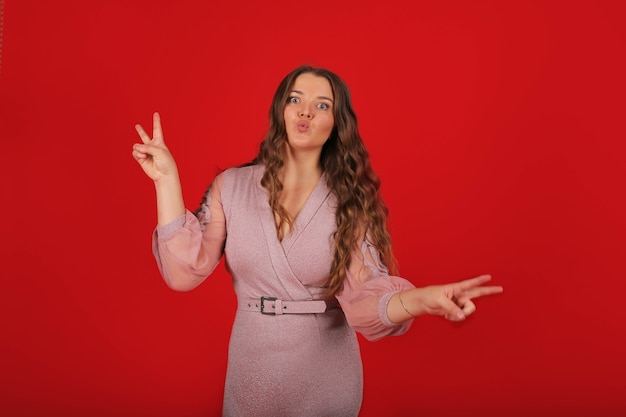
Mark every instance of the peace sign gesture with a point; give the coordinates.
(453, 301)
(153, 156)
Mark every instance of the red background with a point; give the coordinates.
(497, 129)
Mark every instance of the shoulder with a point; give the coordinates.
(242, 174)
(240, 181)
(242, 170)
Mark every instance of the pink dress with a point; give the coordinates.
(283, 364)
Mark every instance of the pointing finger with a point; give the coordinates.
(474, 282)
(142, 134)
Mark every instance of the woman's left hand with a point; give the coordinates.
(453, 301)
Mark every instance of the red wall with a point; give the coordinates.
(498, 131)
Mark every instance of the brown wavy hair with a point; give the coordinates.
(345, 161)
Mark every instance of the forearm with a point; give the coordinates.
(169, 195)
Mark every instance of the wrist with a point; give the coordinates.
(170, 204)
(402, 306)
(168, 182)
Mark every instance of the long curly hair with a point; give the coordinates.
(345, 161)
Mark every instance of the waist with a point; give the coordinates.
(275, 306)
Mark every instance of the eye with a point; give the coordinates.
(323, 106)
(293, 100)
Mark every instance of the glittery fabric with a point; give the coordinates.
(293, 364)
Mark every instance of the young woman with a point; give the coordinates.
(303, 230)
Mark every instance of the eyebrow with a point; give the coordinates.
(322, 97)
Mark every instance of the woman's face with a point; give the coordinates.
(308, 112)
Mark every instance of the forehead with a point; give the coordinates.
(311, 84)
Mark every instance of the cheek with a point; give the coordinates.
(290, 110)
(329, 123)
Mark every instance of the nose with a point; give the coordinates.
(305, 114)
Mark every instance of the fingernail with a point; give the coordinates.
(460, 316)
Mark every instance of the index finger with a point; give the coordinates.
(142, 134)
(474, 282)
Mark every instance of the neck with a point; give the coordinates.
(301, 166)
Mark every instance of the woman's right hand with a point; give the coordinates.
(152, 155)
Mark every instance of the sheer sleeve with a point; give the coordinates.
(366, 293)
(188, 249)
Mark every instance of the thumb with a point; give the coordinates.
(149, 149)
(451, 310)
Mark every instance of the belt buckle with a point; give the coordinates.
(263, 300)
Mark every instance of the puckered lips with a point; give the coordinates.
(303, 126)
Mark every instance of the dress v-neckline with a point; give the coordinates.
(305, 215)
(279, 251)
